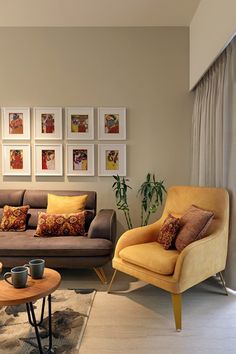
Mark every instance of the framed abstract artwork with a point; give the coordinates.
(111, 123)
(48, 160)
(16, 123)
(80, 123)
(80, 160)
(48, 123)
(111, 159)
(16, 160)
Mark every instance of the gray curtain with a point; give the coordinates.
(214, 139)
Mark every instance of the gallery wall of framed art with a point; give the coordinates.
(63, 141)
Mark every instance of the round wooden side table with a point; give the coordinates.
(35, 290)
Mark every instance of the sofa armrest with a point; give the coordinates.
(138, 235)
(201, 259)
(103, 225)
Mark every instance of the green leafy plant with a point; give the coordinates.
(151, 192)
(121, 187)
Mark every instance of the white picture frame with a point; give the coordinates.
(48, 160)
(48, 123)
(16, 160)
(111, 123)
(112, 159)
(79, 123)
(16, 123)
(80, 159)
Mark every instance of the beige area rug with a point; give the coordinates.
(70, 312)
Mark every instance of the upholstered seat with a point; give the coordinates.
(138, 254)
(151, 256)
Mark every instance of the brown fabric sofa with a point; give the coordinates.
(91, 251)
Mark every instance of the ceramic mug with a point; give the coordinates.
(36, 267)
(19, 276)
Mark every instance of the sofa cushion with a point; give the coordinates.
(25, 244)
(168, 231)
(38, 199)
(61, 224)
(151, 256)
(14, 218)
(60, 204)
(194, 224)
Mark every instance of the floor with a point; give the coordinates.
(137, 318)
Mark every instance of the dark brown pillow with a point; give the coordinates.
(193, 226)
(168, 231)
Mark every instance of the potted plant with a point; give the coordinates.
(150, 191)
(121, 187)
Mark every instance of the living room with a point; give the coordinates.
(144, 60)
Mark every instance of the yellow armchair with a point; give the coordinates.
(138, 254)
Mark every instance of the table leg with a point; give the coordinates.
(50, 324)
(35, 324)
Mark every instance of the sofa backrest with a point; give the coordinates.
(12, 197)
(37, 200)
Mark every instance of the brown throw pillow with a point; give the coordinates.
(194, 224)
(168, 231)
(61, 224)
(14, 218)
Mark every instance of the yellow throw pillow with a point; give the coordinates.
(60, 204)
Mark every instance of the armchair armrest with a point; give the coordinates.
(103, 225)
(201, 259)
(138, 235)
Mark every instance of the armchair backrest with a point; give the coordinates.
(180, 198)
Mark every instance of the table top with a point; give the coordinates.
(34, 290)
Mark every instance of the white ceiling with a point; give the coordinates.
(97, 12)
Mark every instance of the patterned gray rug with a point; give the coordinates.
(70, 312)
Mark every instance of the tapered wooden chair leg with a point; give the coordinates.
(101, 274)
(177, 308)
(112, 279)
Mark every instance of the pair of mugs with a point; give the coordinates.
(19, 275)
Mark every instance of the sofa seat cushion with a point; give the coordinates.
(151, 256)
(25, 244)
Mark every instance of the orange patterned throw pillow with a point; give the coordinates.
(14, 218)
(61, 224)
(168, 231)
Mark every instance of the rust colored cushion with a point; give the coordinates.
(168, 231)
(14, 218)
(193, 226)
(61, 224)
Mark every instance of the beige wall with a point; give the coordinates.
(212, 26)
(143, 69)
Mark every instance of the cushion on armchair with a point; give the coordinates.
(194, 224)
(168, 231)
(151, 256)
